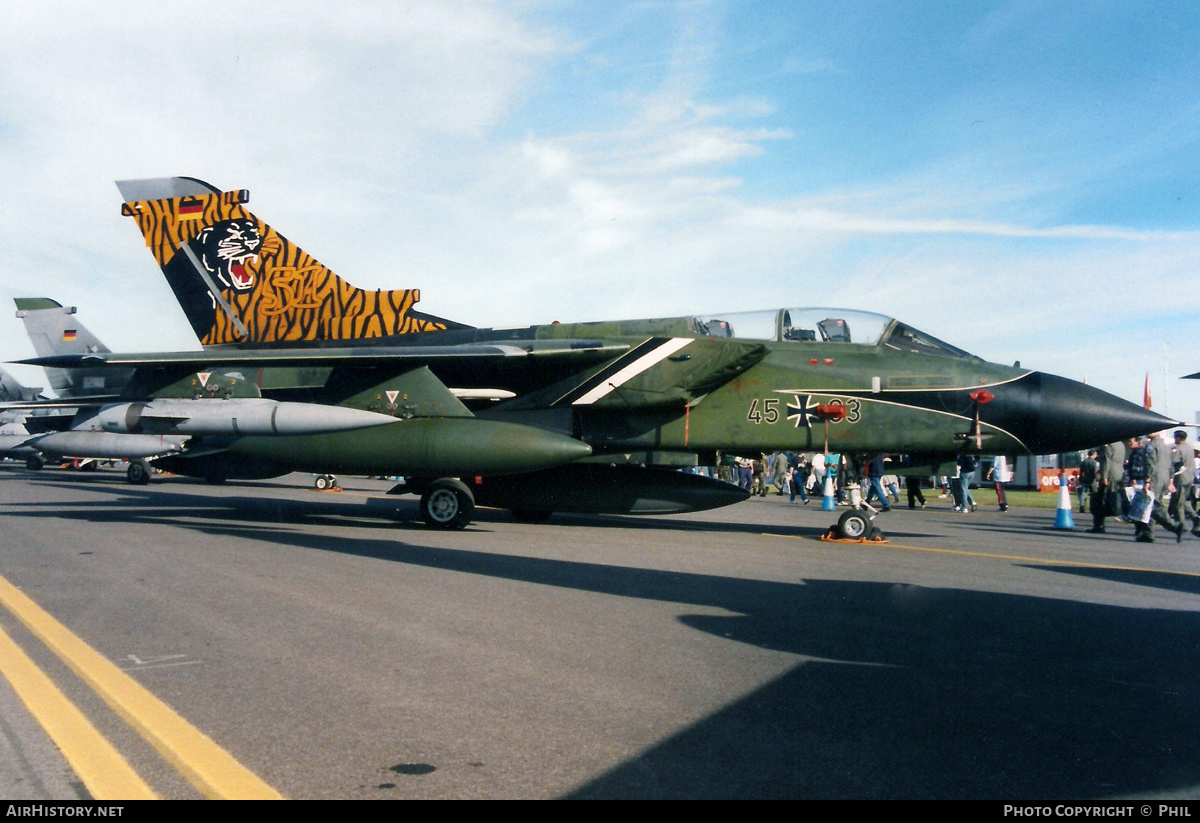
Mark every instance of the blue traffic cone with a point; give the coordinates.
(1063, 519)
(827, 504)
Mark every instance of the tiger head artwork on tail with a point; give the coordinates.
(240, 281)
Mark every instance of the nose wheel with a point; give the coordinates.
(855, 526)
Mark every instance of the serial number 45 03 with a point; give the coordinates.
(804, 411)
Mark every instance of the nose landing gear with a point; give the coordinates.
(858, 524)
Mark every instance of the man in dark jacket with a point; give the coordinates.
(1135, 469)
(1088, 471)
(967, 463)
(1106, 502)
(874, 471)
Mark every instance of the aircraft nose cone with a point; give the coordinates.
(1052, 414)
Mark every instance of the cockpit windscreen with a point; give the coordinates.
(823, 325)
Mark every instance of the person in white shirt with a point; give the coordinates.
(1000, 475)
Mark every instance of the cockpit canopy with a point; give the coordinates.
(824, 326)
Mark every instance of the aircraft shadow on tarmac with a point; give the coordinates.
(1185, 583)
(918, 692)
(165, 504)
(911, 692)
(942, 694)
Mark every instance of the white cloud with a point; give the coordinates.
(332, 109)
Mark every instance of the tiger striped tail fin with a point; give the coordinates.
(240, 281)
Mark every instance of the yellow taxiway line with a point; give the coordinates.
(106, 774)
(202, 762)
(1017, 557)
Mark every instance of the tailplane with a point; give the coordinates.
(240, 281)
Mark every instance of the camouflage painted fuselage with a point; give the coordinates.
(747, 396)
(661, 392)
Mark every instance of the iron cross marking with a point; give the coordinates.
(801, 412)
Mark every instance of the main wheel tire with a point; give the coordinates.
(35, 462)
(853, 525)
(447, 504)
(325, 481)
(531, 515)
(138, 473)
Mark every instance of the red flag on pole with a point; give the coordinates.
(1147, 401)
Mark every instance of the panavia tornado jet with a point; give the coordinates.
(73, 431)
(585, 417)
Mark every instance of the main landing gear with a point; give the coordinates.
(138, 472)
(447, 504)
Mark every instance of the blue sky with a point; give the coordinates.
(1017, 178)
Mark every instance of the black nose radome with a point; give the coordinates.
(1052, 414)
